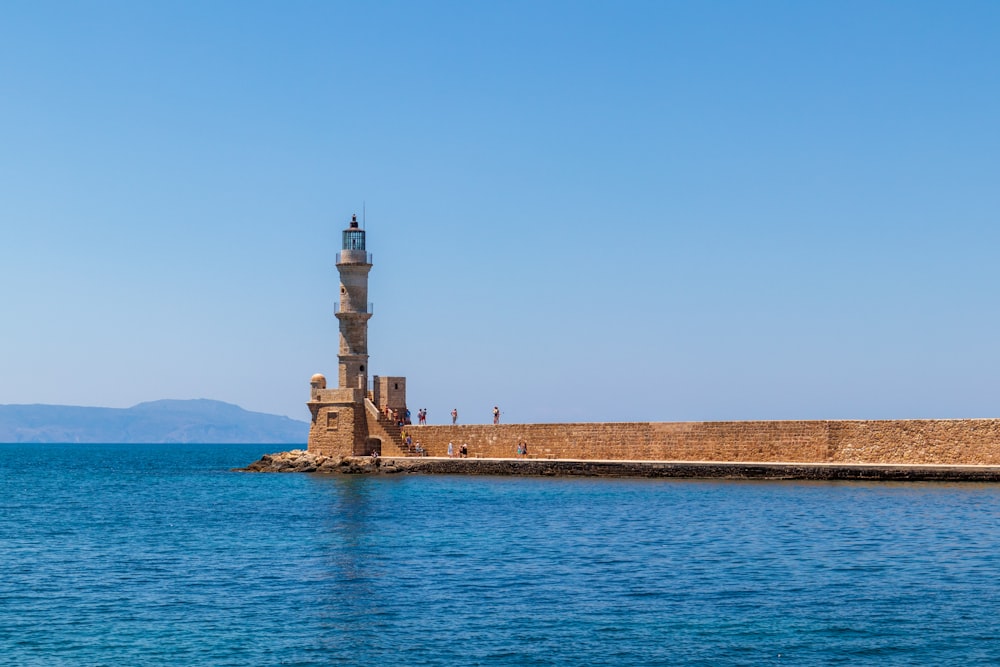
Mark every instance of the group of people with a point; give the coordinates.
(400, 419)
(416, 447)
(403, 418)
(463, 451)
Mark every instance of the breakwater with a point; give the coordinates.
(960, 442)
(690, 470)
(304, 461)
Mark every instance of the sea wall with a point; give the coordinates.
(672, 470)
(919, 441)
(305, 461)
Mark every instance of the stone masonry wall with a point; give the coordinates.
(339, 426)
(958, 442)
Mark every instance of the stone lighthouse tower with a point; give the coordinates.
(339, 425)
(353, 311)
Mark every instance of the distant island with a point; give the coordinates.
(166, 421)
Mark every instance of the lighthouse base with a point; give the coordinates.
(339, 426)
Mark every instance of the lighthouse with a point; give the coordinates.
(339, 421)
(353, 310)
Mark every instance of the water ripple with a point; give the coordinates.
(157, 555)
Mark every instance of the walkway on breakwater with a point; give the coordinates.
(687, 469)
(304, 461)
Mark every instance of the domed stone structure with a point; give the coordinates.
(318, 381)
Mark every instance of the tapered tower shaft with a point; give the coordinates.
(353, 310)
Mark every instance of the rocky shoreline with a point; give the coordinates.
(304, 461)
(301, 460)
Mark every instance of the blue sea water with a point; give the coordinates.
(159, 555)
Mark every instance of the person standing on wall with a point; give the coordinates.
(454, 416)
(496, 415)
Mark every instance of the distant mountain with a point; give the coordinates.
(200, 420)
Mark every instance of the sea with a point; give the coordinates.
(162, 555)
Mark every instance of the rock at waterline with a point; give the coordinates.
(299, 460)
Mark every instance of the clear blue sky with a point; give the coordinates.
(578, 210)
